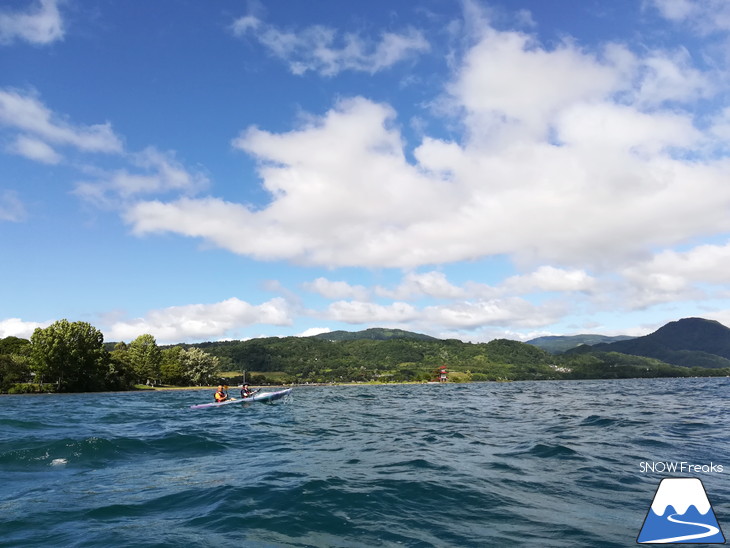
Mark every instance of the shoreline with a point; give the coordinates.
(282, 386)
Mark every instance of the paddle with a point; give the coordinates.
(229, 398)
(234, 399)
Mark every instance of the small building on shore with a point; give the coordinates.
(442, 374)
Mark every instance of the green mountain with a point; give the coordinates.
(318, 359)
(557, 344)
(392, 355)
(373, 334)
(689, 342)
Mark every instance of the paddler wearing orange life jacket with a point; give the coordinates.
(220, 395)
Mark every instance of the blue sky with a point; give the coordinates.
(476, 170)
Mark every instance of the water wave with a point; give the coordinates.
(96, 452)
(552, 464)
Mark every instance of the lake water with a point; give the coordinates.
(560, 464)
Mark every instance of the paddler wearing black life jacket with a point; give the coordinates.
(220, 395)
(246, 392)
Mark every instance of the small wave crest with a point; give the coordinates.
(58, 452)
(597, 420)
(96, 451)
(23, 424)
(545, 451)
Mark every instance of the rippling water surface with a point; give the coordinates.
(514, 464)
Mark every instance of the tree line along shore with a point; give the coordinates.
(73, 357)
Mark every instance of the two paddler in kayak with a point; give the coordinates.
(221, 395)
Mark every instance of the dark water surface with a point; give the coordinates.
(514, 464)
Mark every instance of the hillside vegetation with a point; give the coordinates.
(410, 357)
(374, 334)
(557, 344)
(72, 357)
(312, 359)
(690, 342)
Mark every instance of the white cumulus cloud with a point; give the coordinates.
(34, 149)
(707, 16)
(357, 312)
(563, 160)
(26, 113)
(40, 24)
(428, 284)
(549, 278)
(324, 50)
(337, 289)
(671, 276)
(201, 321)
(155, 172)
(471, 314)
(15, 327)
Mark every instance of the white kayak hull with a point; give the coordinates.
(262, 396)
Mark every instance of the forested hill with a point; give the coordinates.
(313, 359)
(373, 334)
(71, 356)
(558, 344)
(316, 359)
(689, 342)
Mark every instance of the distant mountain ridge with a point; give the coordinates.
(689, 342)
(557, 344)
(374, 334)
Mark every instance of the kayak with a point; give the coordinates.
(263, 396)
(268, 396)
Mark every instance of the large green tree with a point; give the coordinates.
(200, 368)
(171, 369)
(120, 375)
(15, 345)
(69, 354)
(14, 362)
(14, 368)
(145, 357)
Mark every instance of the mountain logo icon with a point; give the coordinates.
(681, 514)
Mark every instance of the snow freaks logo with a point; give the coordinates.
(680, 513)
